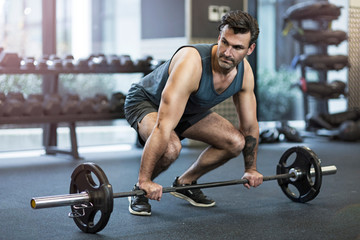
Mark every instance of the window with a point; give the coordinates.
(83, 27)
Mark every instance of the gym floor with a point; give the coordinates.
(261, 213)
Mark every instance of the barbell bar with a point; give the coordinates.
(84, 197)
(89, 197)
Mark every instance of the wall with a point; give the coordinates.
(179, 22)
(354, 54)
(162, 18)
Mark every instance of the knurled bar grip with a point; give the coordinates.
(84, 197)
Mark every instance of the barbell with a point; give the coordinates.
(299, 174)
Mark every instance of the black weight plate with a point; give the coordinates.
(308, 187)
(96, 216)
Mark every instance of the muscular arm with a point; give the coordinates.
(245, 103)
(184, 76)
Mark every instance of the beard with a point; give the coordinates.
(226, 62)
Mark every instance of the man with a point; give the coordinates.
(173, 103)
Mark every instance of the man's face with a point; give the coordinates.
(232, 48)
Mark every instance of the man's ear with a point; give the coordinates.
(251, 48)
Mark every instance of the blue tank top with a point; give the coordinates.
(205, 98)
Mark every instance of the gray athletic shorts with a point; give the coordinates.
(134, 113)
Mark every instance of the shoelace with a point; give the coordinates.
(140, 199)
(198, 194)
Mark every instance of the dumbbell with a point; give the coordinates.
(9, 60)
(101, 103)
(33, 105)
(338, 87)
(145, 62)
(126, 61)
(98, 62)
(68, 62)
(349, 130)
(82, 64)
(117, 102)
(54, 62)
(28, 63)
(70, 104)
(87, 106)
(41, 64)
(52, 104)
(14, 104)
(114, 62)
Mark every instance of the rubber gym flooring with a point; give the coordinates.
(261, 213)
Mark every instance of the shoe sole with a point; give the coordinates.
(192, 202)
(143, 213)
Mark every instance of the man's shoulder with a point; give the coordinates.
(186, 52)
(201, 48)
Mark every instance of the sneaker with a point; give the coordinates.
(194, 196)
(139, 205)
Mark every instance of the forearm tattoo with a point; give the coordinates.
(249, 151)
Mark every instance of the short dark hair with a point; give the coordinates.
(241, 22)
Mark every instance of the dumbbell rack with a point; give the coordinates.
(323, 22)
(69, 119)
